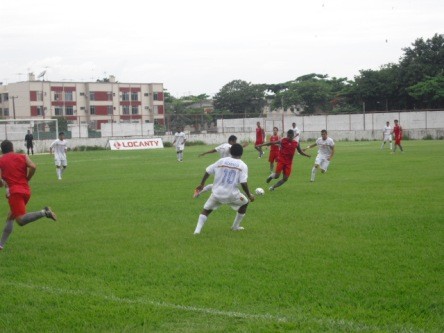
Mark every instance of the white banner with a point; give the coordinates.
(133, 144)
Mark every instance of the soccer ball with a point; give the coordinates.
(259, 191)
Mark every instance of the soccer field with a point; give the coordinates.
(359, 250)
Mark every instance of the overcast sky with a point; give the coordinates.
(197, 46)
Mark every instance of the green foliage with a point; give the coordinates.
(363, 253)
(430, 92)
(240, 97)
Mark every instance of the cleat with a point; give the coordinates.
(269, 179)
(238, 228)
(196, 193)
(271, 188)
(1, 247)
(50, 214)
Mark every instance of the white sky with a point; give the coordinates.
(197, 46)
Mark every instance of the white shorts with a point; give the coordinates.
(213, 203)
(61, 162)
(388, 138)
(180, 148)
(322, 162)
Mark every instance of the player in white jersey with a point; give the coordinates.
(59, 148)
(223, 149)
(296, 131)
(179, 141)
(228, 173)
(387, 135)
(326, 150)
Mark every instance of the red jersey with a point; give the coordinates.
(274, 147)
(288, 148)
(259, 135)
(397, 130)
(15, 173)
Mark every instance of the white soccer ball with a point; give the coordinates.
(259, 191)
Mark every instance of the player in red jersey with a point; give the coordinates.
(16, 170)
(260, 137)
(274, 148)
(397, 131)
(285, 159)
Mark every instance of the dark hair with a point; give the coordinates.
(324, 131)
(61, 133)
(277, 129)
(7, 146)
(232, 138)
(236, 150)
(290, 132)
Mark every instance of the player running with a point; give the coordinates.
(59, 148)
(228, 173)
(325, 153)
(179, 141)
(285, 159)
(16, 170)
(387, 135)
(274, 148)
(397, 131)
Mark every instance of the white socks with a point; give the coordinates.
(200, 223)
(313, 174)
(238, 219)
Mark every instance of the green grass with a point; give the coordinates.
(361, 249)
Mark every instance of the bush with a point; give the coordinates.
(428, 137)
(167, 144)
(195, 143)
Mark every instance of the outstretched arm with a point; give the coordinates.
(202, 183)
(302, 152)
(208, 152)
(269, 143)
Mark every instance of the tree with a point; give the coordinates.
(429, 93)
(424, 59)
(240, 97)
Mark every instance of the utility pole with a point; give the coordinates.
(13, 105)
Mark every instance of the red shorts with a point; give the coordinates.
(17, 204)
(397, 141)
(273, 157)
(258, 142)
(284, 167)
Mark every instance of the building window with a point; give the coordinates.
(39, 96)
(39, 110)
(134, 109)
(92, 109)
(109, 95)
(134, 96)
(6, 112)
(125, 109)
(68, 96)
(92, 96)
(57, 96)
(58, 111)
(0, 98)
(109, 109)
(125, 96)
(155, 96)
(69, 111)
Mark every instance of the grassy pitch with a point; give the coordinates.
(360, 249)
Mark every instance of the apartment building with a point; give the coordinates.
(92, 103)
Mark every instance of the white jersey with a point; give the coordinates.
(297, 133)
(325, 147)
(228, 173)
(59, 148)
(179, 139)
(387, 131)
(223, 150)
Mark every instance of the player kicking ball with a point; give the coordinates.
(285, 159)
(228, 173)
